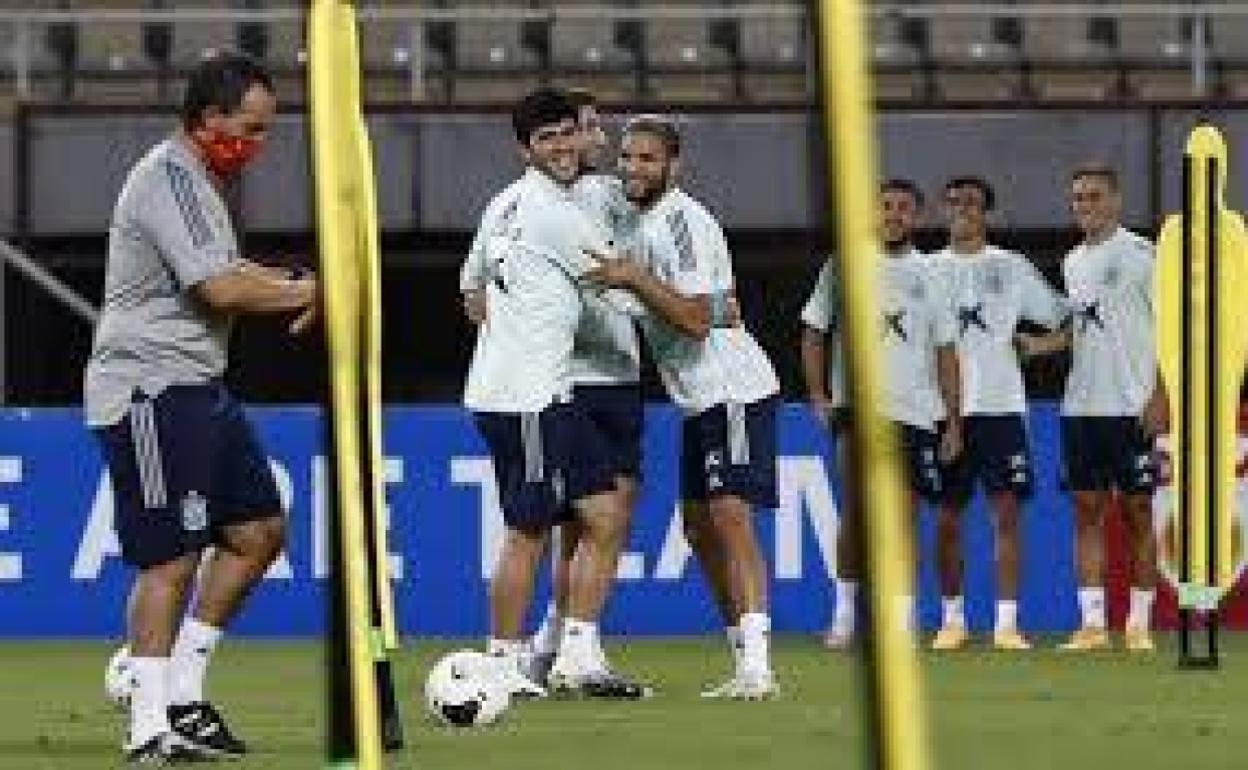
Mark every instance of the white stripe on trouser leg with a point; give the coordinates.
(531, 439)
(738, 436)
(147, 454)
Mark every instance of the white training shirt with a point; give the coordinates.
(683, 246)
(915, 319)
(822, 313)
(535, 254)
(606, 349)
(990, 292)
(1113, 356)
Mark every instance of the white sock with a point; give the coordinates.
(755, 642)
(953, 614)
(1007, 615)
(1092, 607)
(148, 703)
(580, 644)
(189, 661)
(506, 649)
(905, 612)
(1140, 614)
(846, 606)
(734, 645)
(546, 638)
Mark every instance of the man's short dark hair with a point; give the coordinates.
(988, 194)
(541, 107)
(659, 126)
(1099, 170)
(582, 97)
(898, 184)
(220, 81)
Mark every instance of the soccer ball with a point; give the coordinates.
(461, 690)
(119, 681)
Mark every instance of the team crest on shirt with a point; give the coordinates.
(194, 512)
(993, 282)
(1111, 276)
(917, 292)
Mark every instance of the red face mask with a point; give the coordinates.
(225, 155)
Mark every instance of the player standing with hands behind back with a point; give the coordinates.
(186, 467)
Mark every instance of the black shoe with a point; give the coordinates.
(201, 724)
(612, 686)
(168, 749)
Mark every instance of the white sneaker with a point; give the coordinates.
(722, 690)
(513, 681)
(836, 638)
(755, 686)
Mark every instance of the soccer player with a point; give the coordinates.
(719, 377)
(186, 467)
(921, 380)
(605, 365)
(550, 459)
(1115, 403)
(991, 290)
(606, 370)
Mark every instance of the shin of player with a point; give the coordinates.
(991, 290)
(719, 377)
(1114, 406)
(189, 475)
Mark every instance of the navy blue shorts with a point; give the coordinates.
(184, 465)
(920, 451)
(730, 449)
(994, 453)
(544, 462)
(617, 412)
(1104, 453)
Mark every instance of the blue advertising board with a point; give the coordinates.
(60, 574)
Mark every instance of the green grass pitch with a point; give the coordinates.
(1037, 711)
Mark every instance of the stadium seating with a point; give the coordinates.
(919, 53)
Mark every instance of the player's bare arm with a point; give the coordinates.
(814, 372)
(949, 379)
(690, 314)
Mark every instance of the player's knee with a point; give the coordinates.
(260, 540)
(173, 575)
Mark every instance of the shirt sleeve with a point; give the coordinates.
(1040, 302)
(1146, 263)
(192, 245)
(685, 258)
(820, 309)
(942, 304)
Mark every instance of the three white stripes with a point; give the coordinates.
(147, 454)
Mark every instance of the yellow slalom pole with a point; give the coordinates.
(1202, 347)
(373, 341)
(337, 210)
(897, 719)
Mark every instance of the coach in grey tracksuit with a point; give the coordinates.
(186, 469)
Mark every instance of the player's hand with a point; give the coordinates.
(733, 309)
(1155, 419)
(311, 310)
(1029, 345)
(951, 442)
(611, 271)
(474, 305)
(821, 408)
